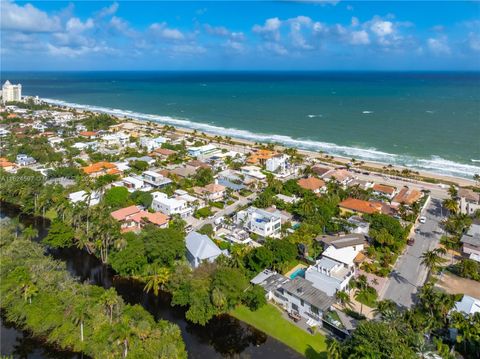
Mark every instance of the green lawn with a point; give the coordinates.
(268, 319)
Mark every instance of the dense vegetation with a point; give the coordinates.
(38, 294)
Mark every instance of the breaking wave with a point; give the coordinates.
(434, 164)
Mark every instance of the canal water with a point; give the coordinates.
(223, 337)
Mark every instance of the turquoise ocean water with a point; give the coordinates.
(428, 121)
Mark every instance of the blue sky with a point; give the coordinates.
(249, 35)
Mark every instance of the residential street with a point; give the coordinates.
(409, 274)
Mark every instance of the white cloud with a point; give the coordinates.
(234, 46)
(275, 48)
(224, 32)
(109, 10)
(438, 46)
(161, 30)
(270, 30)
(355, 21)
(27, 18)
(76, 25)
(474, 41)
(359, 38)
(381, 28)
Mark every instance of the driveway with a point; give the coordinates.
(228, 210)
(409, 274)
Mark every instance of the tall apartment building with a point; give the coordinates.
(11, 92)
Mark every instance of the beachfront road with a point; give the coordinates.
(409, 274)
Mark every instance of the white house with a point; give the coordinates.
(334, 270)
(170, 206)
(135, 183)
(260, 222)
(468, 201)
(116, 139)
(82, 196)
(253, 172)
(201, 248)
(155, 179)
(279, 164)
(151, 143)
(203, 151)
(468, 305)
(24, 160)
(4, 132)
(297, 296)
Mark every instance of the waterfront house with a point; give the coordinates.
(297, 296)
(132, 218)
(170, 206)
(468, 201)
(91, 199)
(201, 248)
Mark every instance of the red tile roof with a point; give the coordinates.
(361, 206)
(311, 183)
(123, 213)
(383, 188)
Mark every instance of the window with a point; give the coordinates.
(301, 302)
(314, 309)
(295, 307)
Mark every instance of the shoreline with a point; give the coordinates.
(384, 168)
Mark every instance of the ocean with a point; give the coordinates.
(423, 120)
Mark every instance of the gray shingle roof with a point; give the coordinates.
(304, 289)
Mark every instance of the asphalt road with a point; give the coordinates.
(409, 274)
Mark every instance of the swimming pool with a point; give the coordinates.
(299, 272)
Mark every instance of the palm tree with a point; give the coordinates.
(157, 279)
(333, 349)
(29, 233)
(385, 307)
(29, 291)
(79, 314)
(451, 205)
(110, 299)
(432, 259)
(124, 334)
(343, 298)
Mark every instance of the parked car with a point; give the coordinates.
(422, 219)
